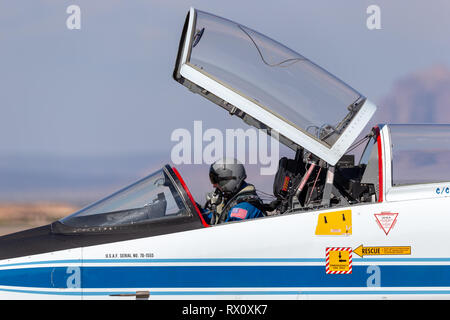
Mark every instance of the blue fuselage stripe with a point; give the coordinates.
(215, 276)
(218, 260)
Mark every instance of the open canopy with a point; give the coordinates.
(270, 86)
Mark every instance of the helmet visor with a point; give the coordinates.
(215, 179)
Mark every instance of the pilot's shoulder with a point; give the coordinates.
(244, 205)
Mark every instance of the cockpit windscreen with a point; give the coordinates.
(152, 197)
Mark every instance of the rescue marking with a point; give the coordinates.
(378, 251)
(338, 260)
(386, 220)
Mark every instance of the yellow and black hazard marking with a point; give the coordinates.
(334, 223)
(379, 251)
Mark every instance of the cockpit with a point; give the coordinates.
(319, 117)
(270, 87)
(163, 198)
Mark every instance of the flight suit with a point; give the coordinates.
(243, 205)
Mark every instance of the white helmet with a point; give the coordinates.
(228, 173)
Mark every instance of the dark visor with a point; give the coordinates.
(215, 179)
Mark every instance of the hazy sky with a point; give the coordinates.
(107, 88)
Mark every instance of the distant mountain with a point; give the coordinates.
(421, 97)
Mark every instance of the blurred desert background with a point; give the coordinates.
(18, 216)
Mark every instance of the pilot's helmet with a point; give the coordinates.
(228, 173)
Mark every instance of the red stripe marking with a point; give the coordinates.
(190, 196)
(380, 165)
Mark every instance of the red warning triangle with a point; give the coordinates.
(386, 220)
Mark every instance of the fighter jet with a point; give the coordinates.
(338, 227)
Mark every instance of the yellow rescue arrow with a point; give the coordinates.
(376, 251)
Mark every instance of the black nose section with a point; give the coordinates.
(28, 242)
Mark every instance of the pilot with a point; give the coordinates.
(233, 199)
